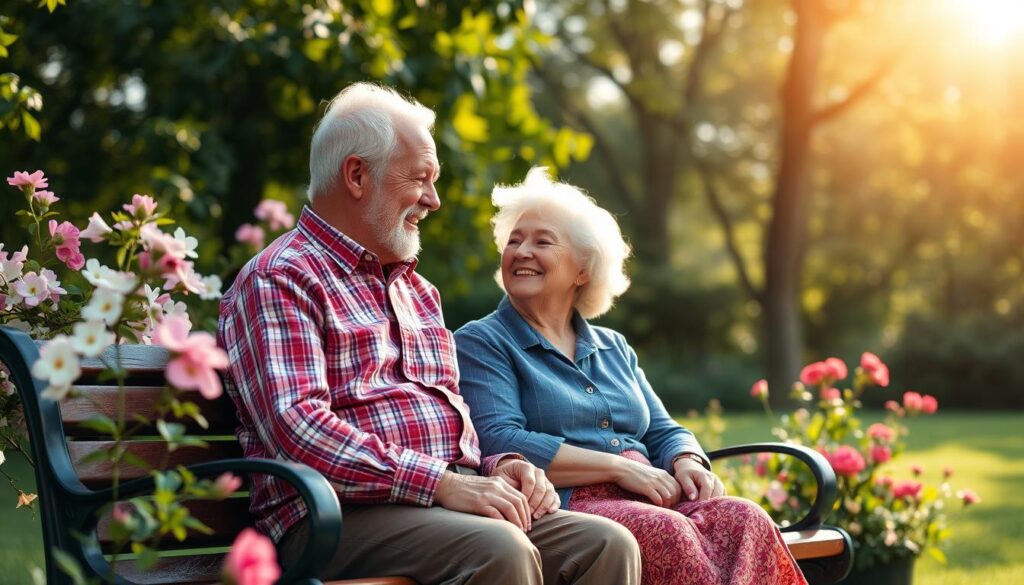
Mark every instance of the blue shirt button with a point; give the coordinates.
(615, 442)
(590, 389)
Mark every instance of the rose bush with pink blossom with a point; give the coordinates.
(887, 518)
(86, 309)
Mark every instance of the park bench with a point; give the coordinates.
(73, 494)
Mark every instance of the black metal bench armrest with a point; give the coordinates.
(824, 477)
(324, 511)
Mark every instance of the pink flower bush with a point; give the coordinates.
(875, 369)
(846, 460)
(197, 357)
(887, 518)
(275, 213)
(251, 235)
(252, 560)
(968, 497)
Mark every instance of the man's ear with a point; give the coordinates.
(355, 174)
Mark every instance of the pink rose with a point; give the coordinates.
(968, 497)
(880, 454)
(836, 368)
(46, 198)
(813, 374)
(885, 481)
(912, 402)
(830, 394)
(893, 406)
(761, 467)
(907, 489)
(275, 213)
(875, 368)
(759, 389)
(847, 461)
(252, 560)
(881, 432)
(65, 238)
(929, 404)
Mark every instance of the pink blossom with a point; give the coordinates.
(881, 432)
(916, 469)
(33, 288)
(912, 401)
(846, 461)
(880, 454)
(176, 271)
(122, 512)
(141, 207)
(776, 495)
(226, 484)
(885, 481)
(759, 389)
(830, 394)
(252, 560)
(761, 467)
(907, 489)
(875, 368)
(836, 368)
(22, 179)
(97, 230)
(46, 198)
(929, 404)
(197, 356)
(65, 237)
(53, 284)
(813, 374)
(893, 406)
(968, 497)
(275, 213)
(250, 234)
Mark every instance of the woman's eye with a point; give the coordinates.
(543, 243)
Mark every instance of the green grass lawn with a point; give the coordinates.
(986, 450)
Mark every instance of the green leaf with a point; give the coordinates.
(69, 566)
(171, 432)
(147, 556)
(135, 461)
(101, 424)
(194, 524)
(938, 555)
(32, 129)
(103, 455)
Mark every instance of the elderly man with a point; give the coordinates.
(340, 360)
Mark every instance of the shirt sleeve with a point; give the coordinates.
(278, 364)
(489, 386)
(665, 438)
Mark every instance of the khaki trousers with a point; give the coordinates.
(440, 546)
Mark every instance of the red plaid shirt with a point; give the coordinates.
(335, 364)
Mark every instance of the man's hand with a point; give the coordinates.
(484, 496)
(532, 482)
(655, 484)
(696, 481)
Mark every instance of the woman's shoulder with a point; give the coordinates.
(606, 336)
(486, 327)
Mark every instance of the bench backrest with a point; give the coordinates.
(60, 443)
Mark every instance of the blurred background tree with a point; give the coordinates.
(799, 178)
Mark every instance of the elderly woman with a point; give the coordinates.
(571, 397)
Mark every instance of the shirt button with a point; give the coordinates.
(590, 389)
(605, 423)
(368, 257)
(615, 442)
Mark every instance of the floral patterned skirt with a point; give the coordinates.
(719, 541)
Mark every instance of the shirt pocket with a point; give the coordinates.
(429, 357)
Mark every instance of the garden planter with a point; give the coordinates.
(898, 571)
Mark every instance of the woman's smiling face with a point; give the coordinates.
(538, 261)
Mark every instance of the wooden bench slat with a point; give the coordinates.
(95, 400)
(813, 544)
(225, 517)
(98, 473)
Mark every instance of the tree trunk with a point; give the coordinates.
(787, 232)
(660, 167)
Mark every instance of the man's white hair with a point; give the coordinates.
(593, 234)
(360, 121)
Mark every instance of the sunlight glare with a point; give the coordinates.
(993, 22)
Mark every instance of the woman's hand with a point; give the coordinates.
(696, 482)
(655, 484)
(532, 483)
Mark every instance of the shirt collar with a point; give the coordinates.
(526, 336)
(348, 253)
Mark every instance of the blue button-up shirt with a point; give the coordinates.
(526, 396)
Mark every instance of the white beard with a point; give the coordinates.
(389, 231)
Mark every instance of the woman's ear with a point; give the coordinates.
(582, 278)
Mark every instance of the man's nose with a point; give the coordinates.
(430, 199)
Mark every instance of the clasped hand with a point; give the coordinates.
(690, 481)
(517, 491)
